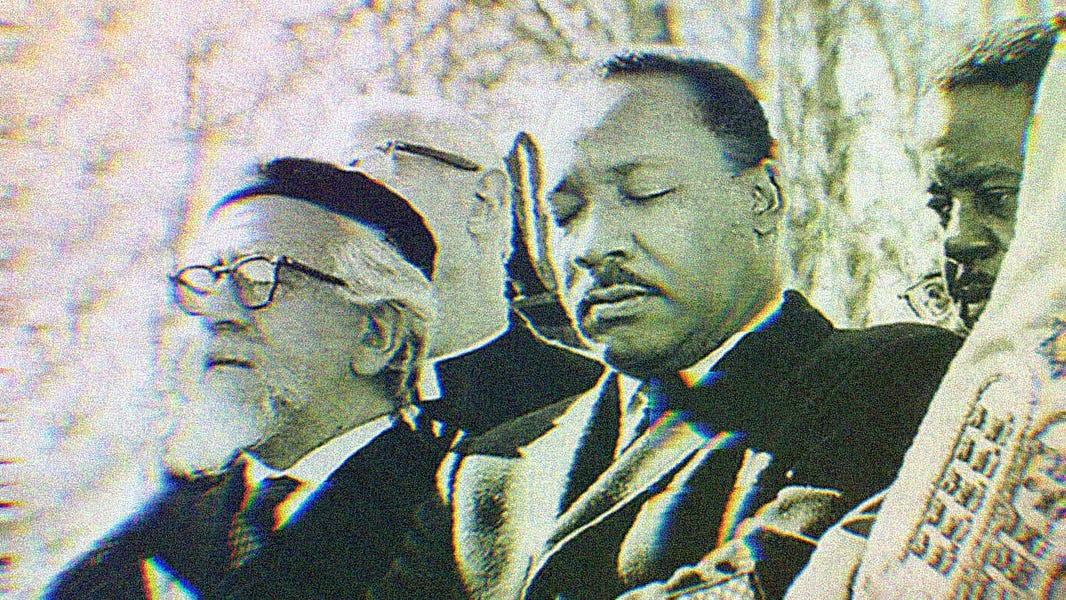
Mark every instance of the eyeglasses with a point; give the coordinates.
(254, 277)
(453, 160)
(929, 298)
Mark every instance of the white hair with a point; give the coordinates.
(467, 133)
(377, 275)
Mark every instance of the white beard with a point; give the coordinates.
(215, 413)
(211, 425)
(218, 412)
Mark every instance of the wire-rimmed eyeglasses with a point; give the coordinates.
(451, 159)
(255, 279)
(929, 298)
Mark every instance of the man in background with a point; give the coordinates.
(299, 467)
(489, 366)
(987, 96)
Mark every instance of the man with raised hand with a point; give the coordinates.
(300, 468)
(738, 423)
(489, 366)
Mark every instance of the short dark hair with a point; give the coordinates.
(1013, 53)
(724, 98)
(352, 194)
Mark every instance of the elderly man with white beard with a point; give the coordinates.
(300, 468)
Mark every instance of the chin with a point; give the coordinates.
(206, 438)
(637, 361)
(970, 312)
(210, 428)
(640, 347)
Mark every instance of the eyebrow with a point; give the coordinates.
(937, 189)
(639, 162)
(958, 174)
(568, 185)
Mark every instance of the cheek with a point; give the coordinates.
(578, 283)
(703, 258)
(1004, 232)
(307, 346)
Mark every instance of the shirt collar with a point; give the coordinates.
(429, 383)
(692, 375)
(316, 466)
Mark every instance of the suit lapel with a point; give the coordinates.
(507, 503)
(692, 443)
(193, 544)
(654, 455)
(346, 534)
(508, 490)
(595, 452)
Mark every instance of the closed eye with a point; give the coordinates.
(566, 201)
(646, 196)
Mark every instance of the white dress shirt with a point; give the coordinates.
(316, 466)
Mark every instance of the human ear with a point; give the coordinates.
(768, 203)
(379, 339)
(493, 203)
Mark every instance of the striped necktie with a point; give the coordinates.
(658, 395)
(254, 523)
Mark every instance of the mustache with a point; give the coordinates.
(616, 274)
(229, 348)
(612, 277)
(216, 359)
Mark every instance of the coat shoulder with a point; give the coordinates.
(857, 403)
(887, 343)
(504, 440)
(879, 359)
(113, 567)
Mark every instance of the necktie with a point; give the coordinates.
(255, 521)
(597, 446)
(660, 394)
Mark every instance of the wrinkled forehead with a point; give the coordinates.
(451, 132)
(644, 103)
(930, 126)
(627, 116)
(271, 225)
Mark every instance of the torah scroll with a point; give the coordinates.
(979, 508)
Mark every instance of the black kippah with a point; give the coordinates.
(352, 194)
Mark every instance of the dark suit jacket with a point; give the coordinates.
(512, 375)
(338, 546)
(829, 408)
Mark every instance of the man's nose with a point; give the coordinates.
(603, 240)
(222, 310)
(971, 242)
(968, 250)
